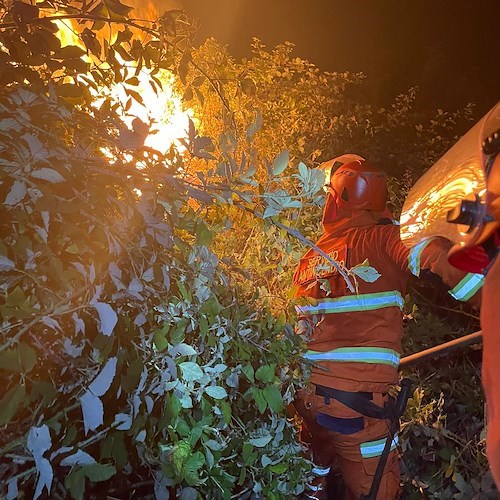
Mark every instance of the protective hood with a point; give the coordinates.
(437, 196)
(337, 219)
(336, 216)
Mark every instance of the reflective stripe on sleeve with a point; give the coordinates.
(467, 287)
(372, 355)
(372, 449)
(414, 256)
(321, 471)
(314, 487)
(353, 303)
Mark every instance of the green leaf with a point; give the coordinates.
(131, 379)
(27, 356)
(203, 235)
(248, 86)
(48, 174)
(199, 80)
(73, 248)
(10, 403)
(191, 371)
(279, 468)
(183, 67)
(261, 441)
(195, 434)
(183, 428)
(248, 371)
(216, 391)
(266, 373)
(132, 81)
(99, 472)
(281, 162)
(117, 7)
(311, 180)
(260, 400)
(45, 391)
(254, 127)
(247, 451)
(182, 450)
(16, 193)
(75, 483)
(160, 341)
(69, 90)
(271, 212)
(9, 360)
(120, 453)
(70, 52)
(243, 475)
(213, 445)
(226, 411)
(273, 398)
(303, 171)
(461, 484)
(123, 54)
(6, 264)
(188, 94)
(186, 401)
(16, 297)
(177, 333)
(366, 273)
(192, 468)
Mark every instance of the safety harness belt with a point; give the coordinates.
(358, 402)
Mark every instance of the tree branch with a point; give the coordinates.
(84, 17)
(297, 234)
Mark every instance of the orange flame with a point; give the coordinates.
(163, 110)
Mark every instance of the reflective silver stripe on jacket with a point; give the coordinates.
(372, 449)
(467, 287)
(353, 303)
(414, 256)
(321, 471)
(372, 355)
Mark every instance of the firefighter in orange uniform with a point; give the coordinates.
(459, 198)
(490, 324)
(354, 337)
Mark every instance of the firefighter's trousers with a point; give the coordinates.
(340, 437)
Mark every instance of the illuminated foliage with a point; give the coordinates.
(126, 354)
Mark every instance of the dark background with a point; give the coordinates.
(449, 48)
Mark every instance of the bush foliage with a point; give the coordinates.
(146, 343)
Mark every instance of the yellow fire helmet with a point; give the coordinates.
(450, 199)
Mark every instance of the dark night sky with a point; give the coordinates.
(450, 48)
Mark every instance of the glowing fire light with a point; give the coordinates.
(163, 111)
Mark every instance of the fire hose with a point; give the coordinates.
(442, 349)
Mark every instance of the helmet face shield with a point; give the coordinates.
(360, 186)
(354, 183)
(449, 199)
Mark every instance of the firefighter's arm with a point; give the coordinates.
(431, 256)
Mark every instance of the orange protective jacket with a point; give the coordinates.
(355, 338)
(490, 324)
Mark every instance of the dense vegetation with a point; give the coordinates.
(146, 343)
